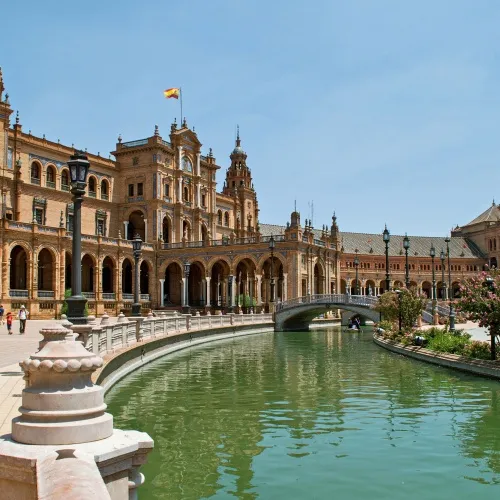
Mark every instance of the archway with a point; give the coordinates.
(319, 279)
(136, 225)
(18, 268)
(427, 289)
(166, 230)
(88, 266)
(196, 285)
(455, 287)
(245, 283)
(441, 290)
(218, 284)
(173, 285)
(144, 278)
(398, 285)
(277, 273)
(186, 230)
(127, 277)
(343, 286)
(108, 268)
(45, 270)
(370, 287)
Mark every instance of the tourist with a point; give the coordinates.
(23, 316)
(9, 323)
(2, 310)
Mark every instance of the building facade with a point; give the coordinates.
(202, 248)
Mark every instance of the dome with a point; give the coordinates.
(238, 150)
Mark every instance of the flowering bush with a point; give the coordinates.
(478, 350)
(412, 304)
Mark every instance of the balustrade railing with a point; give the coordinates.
(133, 144)
(335, 298)
(89, 295)
(18, 293)
(45, 294)
(128, 296)
(108, 296)
(144, 297)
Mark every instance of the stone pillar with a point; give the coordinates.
(198, 195)
(179, 190)
(233, 290)
(259, 289)
(162, 292)
(125, 229)
(179, 166)
(207, 281)
(183, 292)
(198, 170)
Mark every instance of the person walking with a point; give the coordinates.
(2, 310)
(23, 316)
(9, 323)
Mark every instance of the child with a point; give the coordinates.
(9, 323)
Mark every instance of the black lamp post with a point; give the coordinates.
(406, 246)
(450, 289)
(356, 265)
(137, 247)
(78, 170)
(271, 247)
(433, 255)
(187, 268)
(387, 238)
(443, 284)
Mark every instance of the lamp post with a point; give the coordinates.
(432, 253)
(78, 170)
(443, 284)
(387, 238)
(406, 246)
(450, 290)
(187, 268)
(137, 247)
(271, 247)
(230, 282)
(356, 265)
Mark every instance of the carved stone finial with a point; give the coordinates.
(184, 123)
(17, 117)
(119, 138)
(6, 99)
(157, 133)
(61, 220)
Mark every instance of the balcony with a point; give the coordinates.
(104, 196)
(65, 187)
(92, 194)
(50, 184)
(89, 295)
(144, 297)
(35, 180)
(45, 294)
(128, 296)
(18, 293)
(108, 296)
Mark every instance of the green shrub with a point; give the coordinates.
(478, 350)
(448, 342)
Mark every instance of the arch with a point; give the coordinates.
(92, 190)
(18, 268)
(187, 165)
(267, 256)
(136, 225)
(249, 261)
(219, 273)
(398, 284)
(455, 287)
(204, 232)
(413, 284)
(88, 269)
(127, 276)
(319, 278)
(196, 284)
(105, 189)
(370, 287)
(427, 289)
(173, 284)
(167, 229)
(45, 269)
(50, 176)
(65, 179)
(245, 283)
(441, 290)
(343, 286)
(226, 219)
(35, 172)
(186, 230)
(144, 270)
(108, 275)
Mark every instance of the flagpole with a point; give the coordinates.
(180, 91)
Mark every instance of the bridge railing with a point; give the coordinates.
(329, 298)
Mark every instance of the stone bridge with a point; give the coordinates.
(297, 314)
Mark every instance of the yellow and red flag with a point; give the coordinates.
(174, 92)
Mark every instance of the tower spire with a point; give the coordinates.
(238, 141)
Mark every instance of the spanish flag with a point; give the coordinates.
(169, 93)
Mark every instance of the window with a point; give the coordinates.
(101, 217)
(65, 180)
(186, 164)
(104, 190)
(203, 200)
(35, 173)
(10, 158)
(131, 190)
(219, 218)
(226, 219)
(92, 187)
(50, 179)
(186, 194)
(100, 227)
(38, 215)
(69, 223)
(140, 189)
(166, 190)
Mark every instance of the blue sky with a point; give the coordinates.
(385, 111)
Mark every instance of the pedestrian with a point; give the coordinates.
(2, 310)
(23, 316)
(9, 322)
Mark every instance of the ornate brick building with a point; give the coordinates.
(166, 191)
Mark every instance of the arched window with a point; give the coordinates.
(35, 173)
(104, 190)
(186, 193)
(64, 180)
(226, 219)
(50, 180)
(219, 217)
(186, 164)
(92, 187)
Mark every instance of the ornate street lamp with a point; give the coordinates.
(406, 246)
(78, 170)
(271, 247)
(356, 265)
(387, 238)
(137, 248)
(187, 268)
(432, 253)
(450, 293)
(443, 284)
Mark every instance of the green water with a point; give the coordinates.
(311, 415)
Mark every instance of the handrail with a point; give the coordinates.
(334, 298)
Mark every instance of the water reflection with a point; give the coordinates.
(277, 415)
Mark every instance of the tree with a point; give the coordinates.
(480, 302)
(412, 304)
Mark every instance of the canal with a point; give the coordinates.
(322, 414)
